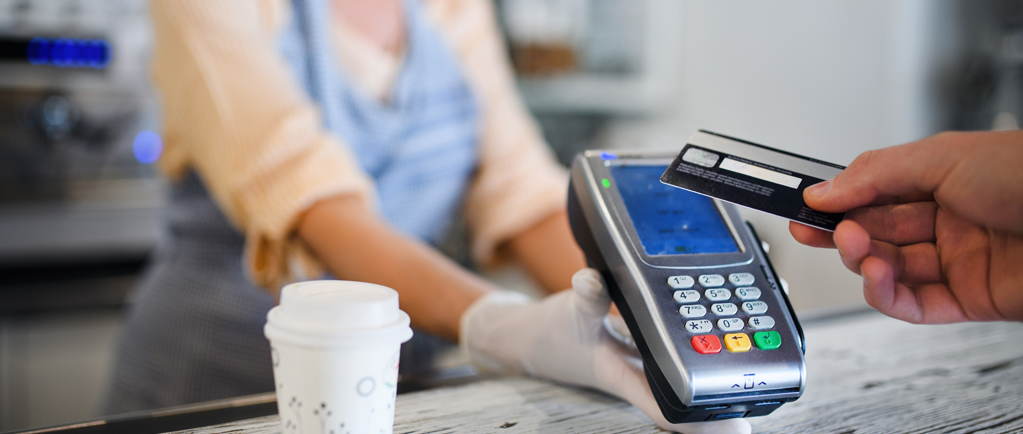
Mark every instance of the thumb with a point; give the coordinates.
(899, 174)
(594, 301)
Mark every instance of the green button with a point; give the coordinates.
(767, 340)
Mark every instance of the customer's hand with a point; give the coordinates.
(935, 227)
(562, 338)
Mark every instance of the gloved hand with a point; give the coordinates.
(563, 338)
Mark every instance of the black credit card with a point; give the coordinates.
(751, 175)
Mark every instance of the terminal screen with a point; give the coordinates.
(669, 220)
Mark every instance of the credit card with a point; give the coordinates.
(751, 175)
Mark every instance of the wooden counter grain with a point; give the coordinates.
(866, 374)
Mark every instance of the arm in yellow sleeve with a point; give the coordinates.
(233, 112)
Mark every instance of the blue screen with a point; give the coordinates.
(669, 220)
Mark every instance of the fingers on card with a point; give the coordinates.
(753, 176)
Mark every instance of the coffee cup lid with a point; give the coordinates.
(333, 312)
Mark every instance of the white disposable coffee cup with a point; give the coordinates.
(335, 347)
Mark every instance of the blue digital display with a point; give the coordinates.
(68, 53)
(669, 220)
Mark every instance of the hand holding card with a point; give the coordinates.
(935, 227)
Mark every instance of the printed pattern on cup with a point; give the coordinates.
(366, 386)
(367, 406)
(292, 422)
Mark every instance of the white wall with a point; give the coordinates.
(827, 79)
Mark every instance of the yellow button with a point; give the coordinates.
(737, 342)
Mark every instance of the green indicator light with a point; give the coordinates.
(605, 183)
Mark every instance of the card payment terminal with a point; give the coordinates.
(718, 336)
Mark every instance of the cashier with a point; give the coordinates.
(347, 137)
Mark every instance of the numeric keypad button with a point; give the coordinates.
(711, 280)
(699, 326)
(692, 310)
(737, 342)
(718, 294)
(741, 279)
(754, 307)
(730, 324)
(681, 282)
(724, 309)
(761, 323)
(770, 340)
(748, 293)
(687, 296)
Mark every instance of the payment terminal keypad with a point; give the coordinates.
(732, 305)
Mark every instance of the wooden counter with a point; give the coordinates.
(866, 374)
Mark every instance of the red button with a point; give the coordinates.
(707, 344)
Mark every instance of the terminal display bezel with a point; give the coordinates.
(693, 260)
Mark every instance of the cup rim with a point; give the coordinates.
(319, 336)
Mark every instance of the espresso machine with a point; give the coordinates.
(78, 132)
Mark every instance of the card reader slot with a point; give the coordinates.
(700, 398)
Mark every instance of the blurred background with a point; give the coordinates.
(80, 201)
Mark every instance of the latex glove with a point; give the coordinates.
(563, 338)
